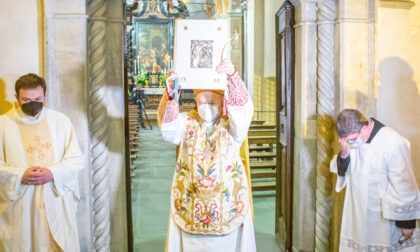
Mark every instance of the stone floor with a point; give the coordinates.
(150, 198)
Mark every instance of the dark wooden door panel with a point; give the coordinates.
(284, 123)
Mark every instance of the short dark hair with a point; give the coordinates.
(350, 121)
(30, 81)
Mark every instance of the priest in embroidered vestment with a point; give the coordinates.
(211, 207)
(39, 164)
(382, 200)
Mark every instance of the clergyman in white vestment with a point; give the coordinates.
(382, 201)
(210, 195)
(39, 164)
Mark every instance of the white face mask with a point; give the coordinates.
(355, 144)
(208, 112)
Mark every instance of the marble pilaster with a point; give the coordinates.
(114, 101)
(66, 53)
(354, 77)
(65, 74)
(355, 60)
(305, 126)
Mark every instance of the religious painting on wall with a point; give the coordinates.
(152, 53)
(199, 46)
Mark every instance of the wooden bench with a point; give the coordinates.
(262, 132)
(263, 173)
(134, 131)
(259, 148)
(262, 139)
(262, 154)
(257, 122)
(263, 186)
(256, 127)
(262, 164)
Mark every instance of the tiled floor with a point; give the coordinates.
(150, 198)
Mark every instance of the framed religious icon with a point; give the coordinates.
(199, 48)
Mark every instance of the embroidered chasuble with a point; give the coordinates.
(210, 193)
(37, 143)
(38, 218)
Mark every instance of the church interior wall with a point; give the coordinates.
(258, 53)
(20, 50)
(264, 59)
(352, 56)
(250, 54)
(270, 9)
(398, 72)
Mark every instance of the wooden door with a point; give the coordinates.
(285, 126)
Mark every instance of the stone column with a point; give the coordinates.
(85, 76)
(116, 132)
(325, 122)
(65, 74)
(98, 124)
(305, 31)
(355, 62)
(354, 77)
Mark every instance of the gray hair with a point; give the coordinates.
(350, 121)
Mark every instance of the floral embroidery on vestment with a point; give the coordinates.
(39, 147)
(171, 112)
(238, 95)
(407, 209)
(396, 246)
(210, 193)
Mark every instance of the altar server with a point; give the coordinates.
(382, 200)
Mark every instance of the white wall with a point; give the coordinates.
(19, 47)
(398, 73)
(250, 47)
(270, 9)
(259, 38)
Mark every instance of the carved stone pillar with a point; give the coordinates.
(305, 30)
(65, 26)
(325, 122)
(354, 77)
(98, 124)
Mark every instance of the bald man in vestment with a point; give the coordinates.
(40, 161)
